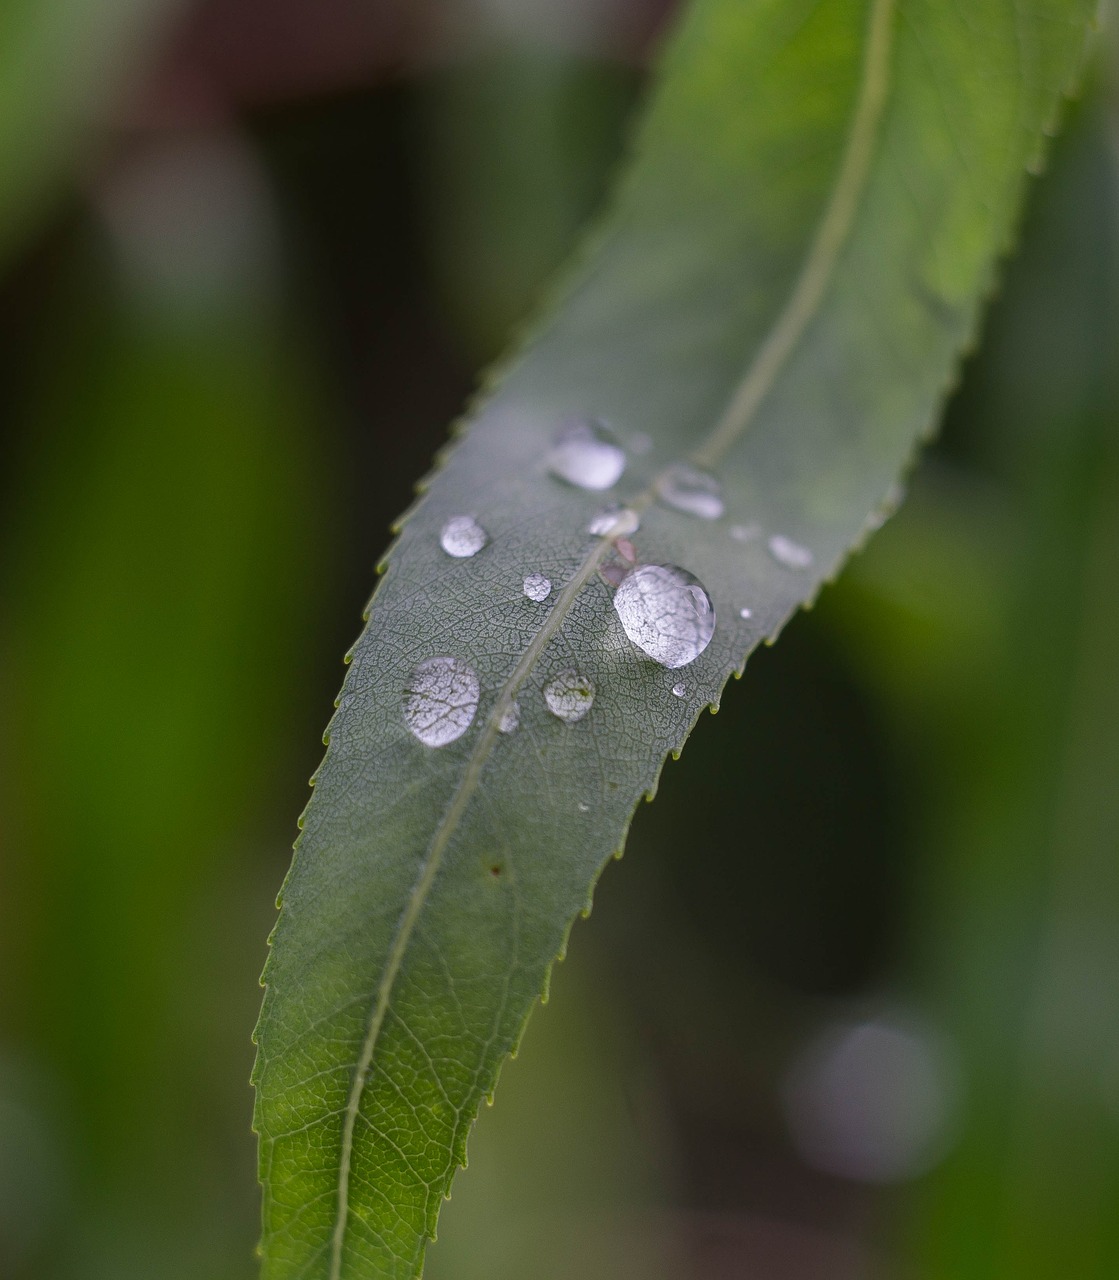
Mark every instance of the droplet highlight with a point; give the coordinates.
(510, 718)
(537, 587)
(462, 537)
(745, 613)
(666, 612)
(569, 695)
(585, 454)
(679, 689)
(614, 521)
(686, 488)
(744, 532)
(441, 700)
(788, 553)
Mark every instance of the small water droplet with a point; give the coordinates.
(583, 808)
(745, 613)
(614, 521)
(744, 532)
(569, 695)
(462, 537)
(666, 612)
(537, 587)
(441, 700)
(679, 689)
(585, 454)
(789, 553)
(510, 718)
(687, 489)
(640, 443)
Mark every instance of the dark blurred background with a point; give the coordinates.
(848, 1006)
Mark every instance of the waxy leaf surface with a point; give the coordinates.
(794, 261)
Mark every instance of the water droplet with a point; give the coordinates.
(510, 718)
(440, 700)
(744, 532)
(745, 613)
(789, 553)
(537, 587)
(666, 612)
(583, 808)
(694, 492)
(569, 695)
(679, 689)
(585, 454)
(462, 537)
(614, 521)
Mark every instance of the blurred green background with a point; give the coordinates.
(848, 1007)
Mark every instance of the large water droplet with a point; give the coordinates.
(614, 521)
(510, 718)
(584, 453)
(569, 695)
(537, 587)
(789, 553)
(441, 700)
(692, 491)
(666, 612)
(462, 537)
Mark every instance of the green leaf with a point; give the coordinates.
(794, 262)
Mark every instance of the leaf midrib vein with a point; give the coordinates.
(801, 307)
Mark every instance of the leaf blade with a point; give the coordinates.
(483, 875)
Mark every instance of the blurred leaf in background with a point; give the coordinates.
(159, 568)
(64, 64)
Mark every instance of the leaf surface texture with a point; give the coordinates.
(792, 265)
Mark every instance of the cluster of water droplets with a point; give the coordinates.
(664, 609)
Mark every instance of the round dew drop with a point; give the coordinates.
(462, 537)
(614, 521)
(789, 553)
(537, 587)
(679, 689)
(510, 718)
(441, 700)
(586, 455)
(666, 612)
(687, 489)
(569, 695)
